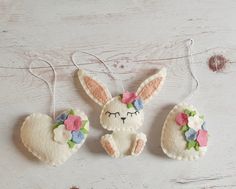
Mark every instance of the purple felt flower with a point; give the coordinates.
(77, 137)
(61, 118)
(190, 134)
(204, 126)
(138, 104)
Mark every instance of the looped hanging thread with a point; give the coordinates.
(110, 73)
(52, 88)
(190, 62)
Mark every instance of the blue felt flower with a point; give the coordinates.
(138, 104)
(61, 118)
(190, 134)
(204, 126)
(77, 137)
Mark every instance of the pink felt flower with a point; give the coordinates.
(202, 138)
(128, 97)
(181, 119)
(73, 123)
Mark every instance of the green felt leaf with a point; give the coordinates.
(71, 144)
(130, 106)
(84, 123)
(189, 112)
(186, 111)
(56, 125)
(184, 128)
(191, 144)
(196, 147)
(193, 113)
(72, 112)
(84, 131)
(201, 117)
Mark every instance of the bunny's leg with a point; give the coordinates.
(139, 143)
(109, 145)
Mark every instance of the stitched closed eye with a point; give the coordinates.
(112, 114)
(132, 113)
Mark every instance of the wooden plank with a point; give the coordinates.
(133, 38)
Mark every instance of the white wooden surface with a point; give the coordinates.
(132, 37)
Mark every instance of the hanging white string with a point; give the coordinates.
(110, 72)
(52, 88)
(190, 43)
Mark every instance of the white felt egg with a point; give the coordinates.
(184, 136)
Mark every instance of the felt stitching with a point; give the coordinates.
(114, 114)
(108, 148)
(96, 90)
(45, 153)
(192, 125)
(122, 114)
(81, 76)
(110, 126)
(38, 130)
(70, 128)
(132, 113)
(109, 145)
(161, 74)
(167, 142)
(139, 146)
(149, 89)
(36, 154)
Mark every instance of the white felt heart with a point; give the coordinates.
(49, 141)
(184, 136)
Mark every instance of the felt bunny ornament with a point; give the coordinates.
(122, 114)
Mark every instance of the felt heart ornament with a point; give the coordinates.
(184, 135)
(53, 142)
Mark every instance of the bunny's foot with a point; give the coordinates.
(109, 145)
(139, 144)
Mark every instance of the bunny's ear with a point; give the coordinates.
(95, 90)
(151, 85)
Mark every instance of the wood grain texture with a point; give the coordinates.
(133, 38)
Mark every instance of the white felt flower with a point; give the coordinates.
(61, 135)
(195, 122)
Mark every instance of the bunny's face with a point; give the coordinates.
(125, 112)
(116, 116)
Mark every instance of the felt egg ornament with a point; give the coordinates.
(184, 134)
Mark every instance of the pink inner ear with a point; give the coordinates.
(149, 89)
(96, 90)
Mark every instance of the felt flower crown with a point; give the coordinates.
(193, 127)
(132, 100)
(70, 128)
